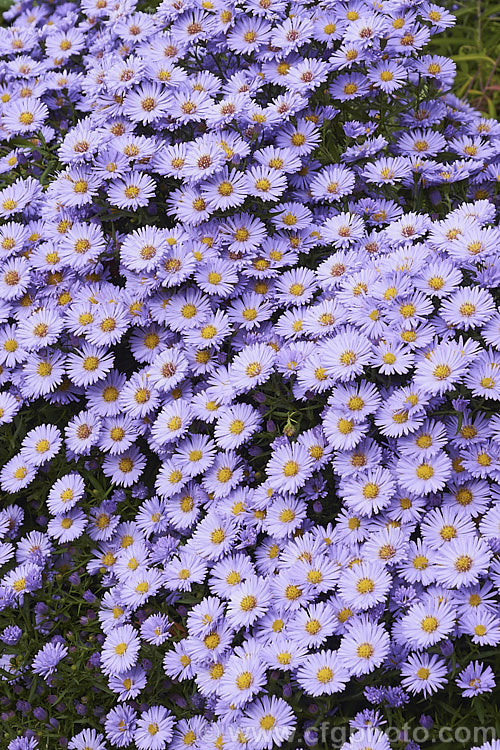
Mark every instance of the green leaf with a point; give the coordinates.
(475, 56)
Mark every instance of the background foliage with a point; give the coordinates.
(474, 45)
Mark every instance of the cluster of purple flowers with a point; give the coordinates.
(209, 210)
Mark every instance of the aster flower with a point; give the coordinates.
(65, 493)
(421, 141)
(346, 354)
(301, 139)
(22, 580)
(67, 526)
(46, 660)
(189, 729)
(283, 517)
(120, 650)
(351, 85)
(462, 562)
(146, 103)
(419, 565)
(424, 475)
(387, 170)
(131, 192)
(14, 278)
(444, 525)
(138, 397)
(332, 183)
(43, 372)
(364, 585)
(424, 673)
(482, 626)
(140, 586)
(248, 602)
(190, 106)
(11, 349)
(364, 647)
(9, 406)
(204, 158)
(82, 432)
(342, 431)
(125, 468)
(370, 492)
(214, 536)
(391, 358)
(77, 186)
(311, 626)
(388, 76)
(375, 736)
(296, 287)
(242, 679)
(242, 232)
(467, 308)
(227, 189)
(128, 684)
(428, 623)
(249, 34)
(89, 738)
(154, 729)
(269, 721)
(264, 183)
(41, 444)
(25, 115)
(236, 425)
(251, 367)
(475, 244)
(88, 365)
(343, 229)
(475, 679)
(130, 560)
(120, 725)
(289, 467)
(208, 356)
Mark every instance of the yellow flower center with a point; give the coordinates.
(313, 627)
(248, 603)
(244, 680)
(448, 533)
(142, 395)
(217, 536)
(348, 358)
(90, 364)
(429, 624)
(324, 675)
(110, 394)
(42, 446)
(441, 372)
(463, 563)
(131, 191)
(371, 490)
(211, 641)
(425, 471)
(126, 465)
(291, 469)
(365, 586)
(224, 474)
(293, 592)
(345, 426)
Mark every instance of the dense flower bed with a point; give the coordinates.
(250, 360)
